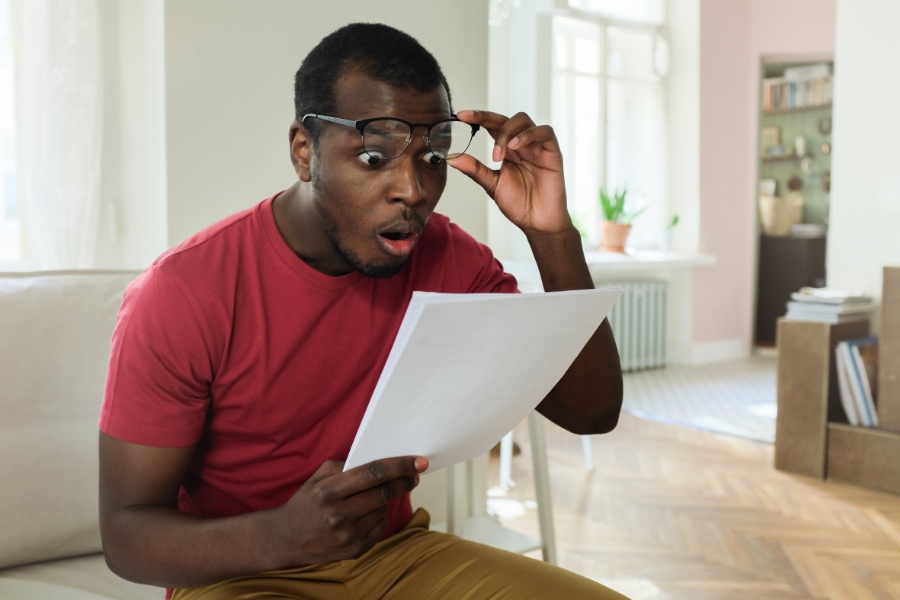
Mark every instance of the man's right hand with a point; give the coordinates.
(338, 515)
(335, 515)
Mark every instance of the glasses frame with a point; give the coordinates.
(360, 126)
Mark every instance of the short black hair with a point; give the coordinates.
(380, 51)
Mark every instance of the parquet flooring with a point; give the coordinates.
(672, 512)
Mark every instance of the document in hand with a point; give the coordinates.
(465, 369)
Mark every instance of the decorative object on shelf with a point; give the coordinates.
(809, 230)
(795, 184)
(613, 236)
(824, 125)
(778, 214)
(800, 146)
(767, 187)
(777, 152)
(769, 137)
(616, 219)
(826, 148)
(806, 165)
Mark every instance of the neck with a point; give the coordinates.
(300, 227)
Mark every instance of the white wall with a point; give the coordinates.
(518, 57)
(865, 183)
(142, 221)
(219, 75)
(683, 114)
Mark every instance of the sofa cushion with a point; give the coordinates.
(54, 347)
(81, 575)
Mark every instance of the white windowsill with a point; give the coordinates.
(645, 260)
(604, 263)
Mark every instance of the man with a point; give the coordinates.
(243, 359)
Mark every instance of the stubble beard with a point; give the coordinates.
(375, 270)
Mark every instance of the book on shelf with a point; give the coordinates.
(829, 295)
(848, 400)
(779, 93)
(858, 359)
(825, 308)
(825, 317)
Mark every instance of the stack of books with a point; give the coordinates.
(857, 373)
(829, 305)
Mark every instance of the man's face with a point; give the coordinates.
(373, 214)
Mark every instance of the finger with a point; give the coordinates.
(489, 120)
(514, 128)
(377, 473)
(371, 527)
(328, 469)
(508, 132)
(539, 134)
(476, 171)
(374, 499)
(373, 523)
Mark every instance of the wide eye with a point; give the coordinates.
(433, 159)
(373, 158)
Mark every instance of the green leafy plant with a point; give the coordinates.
(615, 209)
(580, 224)
(672, 223)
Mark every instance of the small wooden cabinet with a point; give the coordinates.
(812, 436)
(785, 265)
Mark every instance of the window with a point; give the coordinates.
(652, 12)
(608, 108)
(10, 244)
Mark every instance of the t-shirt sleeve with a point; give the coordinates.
(160, 368)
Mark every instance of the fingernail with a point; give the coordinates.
(496, 154)
(421, 464)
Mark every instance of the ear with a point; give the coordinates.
(301, 150)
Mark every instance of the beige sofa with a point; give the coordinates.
(55, 330)
(54, 345)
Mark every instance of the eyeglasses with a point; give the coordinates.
(384, 138)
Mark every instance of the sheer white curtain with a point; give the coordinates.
(59, 112)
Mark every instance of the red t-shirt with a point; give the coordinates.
(231, 341)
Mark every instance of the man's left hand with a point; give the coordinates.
(528, 188)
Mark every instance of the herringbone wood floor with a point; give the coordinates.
(672, 512)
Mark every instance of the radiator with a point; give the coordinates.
(638, 320)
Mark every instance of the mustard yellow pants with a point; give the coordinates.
(414, 564)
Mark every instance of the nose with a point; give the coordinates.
(407, 181)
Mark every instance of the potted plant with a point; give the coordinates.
(616, 219)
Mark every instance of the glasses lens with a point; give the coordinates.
(386, 138)
(449, 139)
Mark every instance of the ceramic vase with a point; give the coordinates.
(613, 236)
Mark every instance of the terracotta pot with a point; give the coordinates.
(613, 236)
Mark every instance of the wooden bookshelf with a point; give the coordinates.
(889, 351)
(812, 436)
(808, 393)
(864, 457)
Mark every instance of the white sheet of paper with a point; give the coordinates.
(465, 369)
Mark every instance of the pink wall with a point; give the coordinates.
(734, 35)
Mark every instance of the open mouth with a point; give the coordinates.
(399, 239)
(396, 235)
